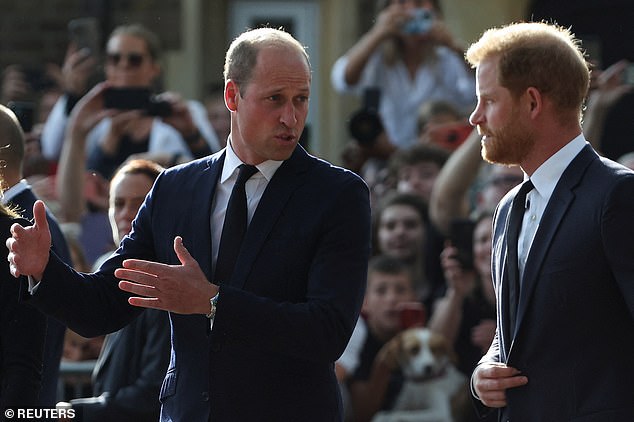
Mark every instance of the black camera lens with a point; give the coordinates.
(365, 126)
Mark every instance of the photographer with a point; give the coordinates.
(370, 142)
(412, 58)
(181, 132)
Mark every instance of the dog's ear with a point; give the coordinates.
(390, 352)
(440, 347)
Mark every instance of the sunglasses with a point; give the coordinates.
(133, 59)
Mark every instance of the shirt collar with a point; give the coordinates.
(14, 191)
(266, 168)
(546, 177)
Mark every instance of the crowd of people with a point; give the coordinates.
(414, 216)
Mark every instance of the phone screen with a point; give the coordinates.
(461, 237)
(412, 314)
(127, 98)
(85, 33)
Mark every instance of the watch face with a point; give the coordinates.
(212, 303)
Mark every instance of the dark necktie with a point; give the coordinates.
(235, 226)
(512, 238)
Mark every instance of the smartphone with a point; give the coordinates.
(25, 112)
(136, 98)
(85, 33)
(461, 237)
(412, 314)
(451, 135)
(128, 98)
(37, 78)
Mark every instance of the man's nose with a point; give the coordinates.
(289, 115)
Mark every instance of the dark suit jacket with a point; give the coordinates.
(284, 317)
(574, 338)
(128, 374)
(22, 330)
(54, 345)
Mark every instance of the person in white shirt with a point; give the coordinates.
(411, 57)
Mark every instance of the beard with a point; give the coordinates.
(509, 145)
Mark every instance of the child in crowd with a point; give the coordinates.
(372, 384)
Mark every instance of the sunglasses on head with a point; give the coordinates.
(133, 59)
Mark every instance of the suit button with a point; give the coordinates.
(205, 396)
(215, 347)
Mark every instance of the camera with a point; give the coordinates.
(421, 22)
(449, 135)
(365, 124)
(136, 98)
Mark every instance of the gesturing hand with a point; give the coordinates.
(29, 246)
(182, 289)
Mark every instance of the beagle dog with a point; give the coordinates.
(433, 389)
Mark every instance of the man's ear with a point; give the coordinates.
(232, 92)
(535, 101)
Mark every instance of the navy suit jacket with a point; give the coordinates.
(55, 330)
(284, 317)
(574, 336)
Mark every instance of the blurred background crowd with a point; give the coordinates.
(391, 100)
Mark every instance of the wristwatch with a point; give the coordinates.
(212, 310)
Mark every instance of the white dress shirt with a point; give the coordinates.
(254, 188)
(14, 191)
(545, 179)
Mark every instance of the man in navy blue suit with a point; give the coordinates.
(564, 274)
(260, 343)
(17, 193)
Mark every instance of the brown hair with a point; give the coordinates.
(537, 54)
(139, 31)
(418, 153)
(139, 166)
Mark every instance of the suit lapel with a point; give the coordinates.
(282, 185)
(200, 214)
(502, 294)
(559, 203)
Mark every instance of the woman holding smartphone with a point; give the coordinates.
(132, 61)
(466, 313)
